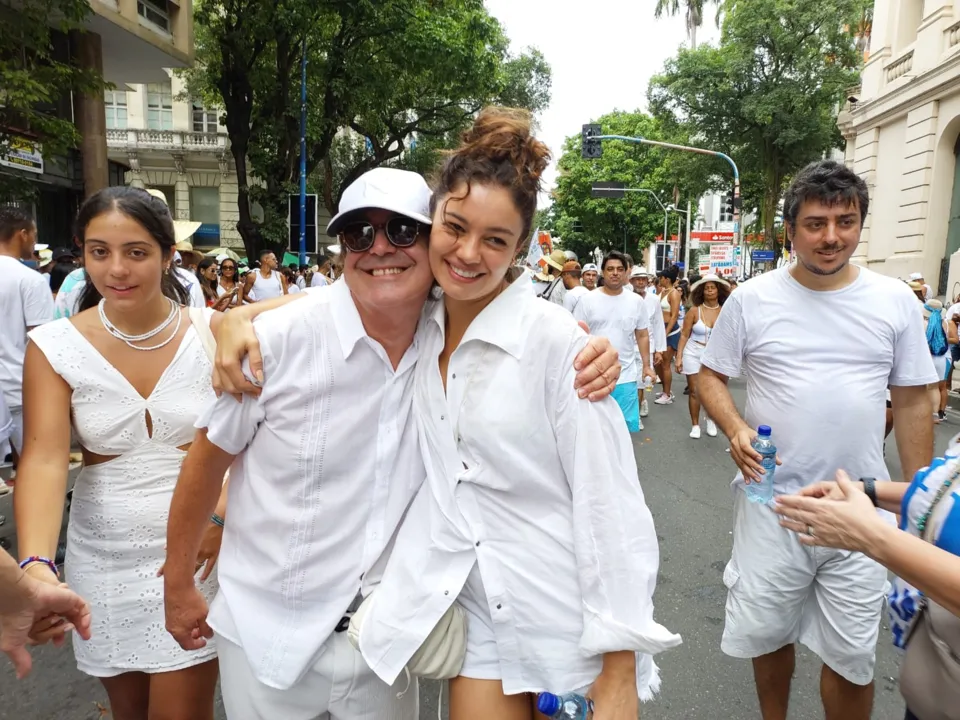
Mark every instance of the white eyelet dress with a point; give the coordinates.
(118, 518)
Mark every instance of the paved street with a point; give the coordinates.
(686, 484)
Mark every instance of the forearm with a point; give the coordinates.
(684, 338)
(11, 590)
(38, 505)
(890, 495)
(718, 402)
(221, 508)
(643, 343)
(913, 428)
(933, 571)
(198, 491)
(622, 663)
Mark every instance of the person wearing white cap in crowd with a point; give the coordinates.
(68, 297)
(25, 302)
(640, 281)
(335, 367)
(927, 290)
(589, 276)
(708, 294)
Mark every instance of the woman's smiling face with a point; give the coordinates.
(474, 240)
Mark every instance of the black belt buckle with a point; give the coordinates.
(343, 625)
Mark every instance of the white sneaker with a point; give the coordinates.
(641, 425)
(664, 399)
(644, 409)
(711, 428)
(695, 432)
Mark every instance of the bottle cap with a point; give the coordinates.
(548, 703)
(764, 430)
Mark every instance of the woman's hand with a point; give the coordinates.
(598, 368)
(209, 550)
(32, 599)
(236, 340)
(844, 518)
(678, 363)
(614, 694)
(50, 626)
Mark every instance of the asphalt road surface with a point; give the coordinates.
(687, 488)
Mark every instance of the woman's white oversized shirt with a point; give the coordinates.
(537, 486)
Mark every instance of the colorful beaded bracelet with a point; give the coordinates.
(40, 559)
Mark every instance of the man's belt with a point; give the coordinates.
(344, 623)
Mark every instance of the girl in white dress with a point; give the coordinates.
(130, 372)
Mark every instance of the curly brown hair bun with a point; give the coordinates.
(499, 149)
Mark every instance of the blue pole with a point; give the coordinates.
(303, 154)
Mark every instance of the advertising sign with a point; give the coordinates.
(23, 155)
(712, 236)
(763, 255)
(723, 260)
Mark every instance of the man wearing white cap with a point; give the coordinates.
(640, 280)
(589, 276)
(927, 290)
(331, 440)
(25, 302)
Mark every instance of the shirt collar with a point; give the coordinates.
(501, 322)
(346, 317)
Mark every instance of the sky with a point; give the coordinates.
(602, 53)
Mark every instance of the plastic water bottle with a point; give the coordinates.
(648, 384)
(762, 492)
(565, 707)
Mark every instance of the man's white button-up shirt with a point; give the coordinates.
(539, 488)
(328, 462)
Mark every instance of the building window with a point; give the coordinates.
(204, 120)
(115, 104)
(155, 12)
(159, 106)
(205, 205)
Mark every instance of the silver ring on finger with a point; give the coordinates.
(810, 531)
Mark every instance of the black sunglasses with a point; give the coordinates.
(402, 232)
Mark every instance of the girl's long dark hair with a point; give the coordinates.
(209, 286)
(147, 211)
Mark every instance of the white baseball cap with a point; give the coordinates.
(916, 276)
(590, 267)
(400, 191)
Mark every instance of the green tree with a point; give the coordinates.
(584, 222)
(389, 82)
(767, 96)
(37, 78)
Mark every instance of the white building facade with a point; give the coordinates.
(179, 147)
(902, 127)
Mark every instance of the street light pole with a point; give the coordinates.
(737, 235)
(614, 192)
(686, 247)
(303, 154)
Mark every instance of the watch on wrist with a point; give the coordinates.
(870, 489)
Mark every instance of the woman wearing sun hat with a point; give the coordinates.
(708, 295)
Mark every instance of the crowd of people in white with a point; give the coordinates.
(359, 507)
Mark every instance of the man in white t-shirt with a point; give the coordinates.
(589, 276)
(322, 275)
(25, 302)
(622, 318)
(818, 342)
(571, 281)
(640, 280)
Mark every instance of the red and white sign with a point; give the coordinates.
(712, 236)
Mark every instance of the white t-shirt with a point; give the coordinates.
(817, 366)
(318, 280)
(617, 318)
(25, 301)
(572, 298)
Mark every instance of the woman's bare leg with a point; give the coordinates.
(472, 699)
(129, 695)
(184, 694)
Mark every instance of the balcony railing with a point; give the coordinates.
(899, 67)
(172, 140)
(953, 35)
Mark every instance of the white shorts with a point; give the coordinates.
(781, 592)
(482, 659)
(340, 686)
(692, 352)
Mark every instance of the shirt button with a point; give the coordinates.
(454, 376)
(478, 543)
(443, 417)
(499, 606)
(446, 592)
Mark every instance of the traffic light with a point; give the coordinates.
(726, 207)
(590, 147)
